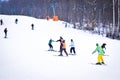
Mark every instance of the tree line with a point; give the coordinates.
(93, 13)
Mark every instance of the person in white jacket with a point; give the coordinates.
(72, 47)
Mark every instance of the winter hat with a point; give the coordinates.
(61, 37)
(63, 41)
(97, 44)
(71, 39)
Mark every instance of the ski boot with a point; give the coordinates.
(102, 63)
(60, 55)
(98, 63)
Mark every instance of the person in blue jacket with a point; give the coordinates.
(50, 45)
(72, 45)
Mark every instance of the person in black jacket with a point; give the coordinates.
(16, 20)
(32, 25)
(1, 22)
(5, 31)
(60, 40)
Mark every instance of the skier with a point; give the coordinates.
(60, 40)
(66, 25)
(5, 31)
(47, 18)
(1, 22)
(16, 21)
(50, 45)
(63, 48)
(72, 47)
(32, 25)
(100, 54)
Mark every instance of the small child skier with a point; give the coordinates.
(50, 45)
(72, 47)
(100, 54)
(63, 48)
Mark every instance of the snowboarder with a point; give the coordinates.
(5, 31)
(50, 45)
(100, 54)
(16, 20)
(32, 25)
(63, 48)
(72, 47)
(60, 40)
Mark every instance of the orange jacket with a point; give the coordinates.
(63, 45)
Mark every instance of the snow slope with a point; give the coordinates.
(24, 55)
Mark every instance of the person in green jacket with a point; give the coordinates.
(100, 54)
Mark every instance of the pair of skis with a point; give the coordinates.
(98, 64)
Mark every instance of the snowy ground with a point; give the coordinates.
(24, 55)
